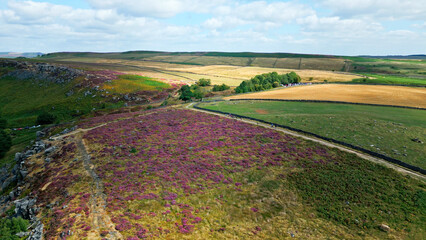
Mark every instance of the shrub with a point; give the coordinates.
(45, 118)
(5, 143)
(204, 82)
(10, 227)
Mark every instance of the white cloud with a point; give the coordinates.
(162, 9)
(384, 9)
(260, 14)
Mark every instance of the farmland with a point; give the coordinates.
(385, 130)
(372, 94)
(189, 66)
(178, 174)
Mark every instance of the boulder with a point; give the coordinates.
(384, 227)
(37, 232)
(24, 208)
(49, 150)
(40, 134)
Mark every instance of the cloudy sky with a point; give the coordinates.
(339, 27)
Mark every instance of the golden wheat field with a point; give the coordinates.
(373, 94)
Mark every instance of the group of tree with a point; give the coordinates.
(203, 82)
(267, 81)
(219, 88)
(5, 139)
(197, 91)
(45, 118)
(189, 92)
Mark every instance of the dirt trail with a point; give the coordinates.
(323, 142)
(97, 203)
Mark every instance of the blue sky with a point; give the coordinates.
(354, 27)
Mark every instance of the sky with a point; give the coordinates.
(335, 27)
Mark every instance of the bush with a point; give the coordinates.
(45, 118)
(203, 82)
(218, 88)
(5, 143)
(10, 227)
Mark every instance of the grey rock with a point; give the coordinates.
(24, 173)
(7, 182)
(22, 234)
(24, 208)
(18, 157)
(37, 232)
(40, 134)
(49, 150)
(47, 160)
(384, 227)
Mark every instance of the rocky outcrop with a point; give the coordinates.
(40, 71)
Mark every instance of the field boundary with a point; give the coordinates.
(323, 101)
(371, 153)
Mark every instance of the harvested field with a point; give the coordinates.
(386, 95)
(249, 72)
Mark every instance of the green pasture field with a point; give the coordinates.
(134, 83)
(385, 130)
(389, 79)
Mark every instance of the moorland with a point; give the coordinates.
(110, 146)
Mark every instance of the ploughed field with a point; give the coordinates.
(180, 174)
(395, 132)
(373, 94)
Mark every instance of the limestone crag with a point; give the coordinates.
(40, 71)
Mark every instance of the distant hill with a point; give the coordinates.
(18, 54)
(416, 56)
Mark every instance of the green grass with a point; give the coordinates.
(359, 194)
(21, 101)
(20, 139)
(381, 79)
(135, 83)
(384, 130)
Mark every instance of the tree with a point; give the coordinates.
(198, 94)
(3, 123)
(45, 118)
(5, 143)
(204, 82)
(185, 93)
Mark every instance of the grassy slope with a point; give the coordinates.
(384, 130)
(134, 83)
(22, 101)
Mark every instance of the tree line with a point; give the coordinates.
(267, 81)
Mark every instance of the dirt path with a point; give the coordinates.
(97, 203)
(323, 142)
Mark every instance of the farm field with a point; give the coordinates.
(380, 79)
(372, 94)
(230, 72)
(180, 174)
(385, 130)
